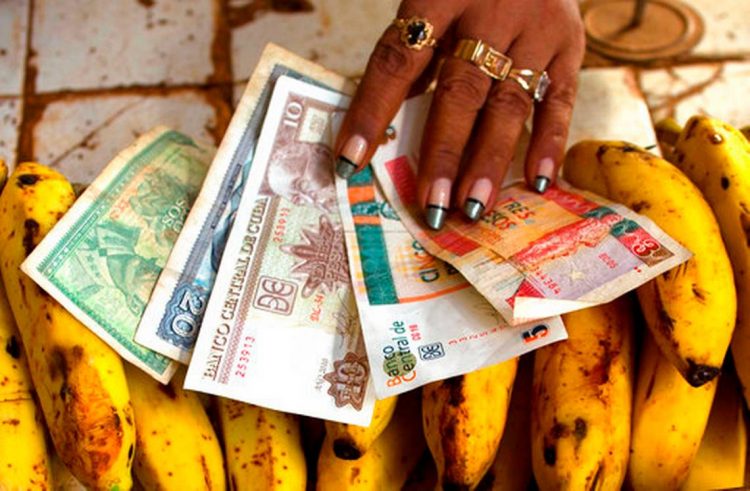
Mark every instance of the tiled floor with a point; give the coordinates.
(80, 79)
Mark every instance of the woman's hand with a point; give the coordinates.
(475, 120)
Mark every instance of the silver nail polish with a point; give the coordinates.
(541, 184)
(345, 168)
(435, 216)
(473, 209)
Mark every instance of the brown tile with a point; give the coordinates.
(10, 116)
(339, 34)
(81, 44)
(80, 134)
(717, 89)
(13, 27)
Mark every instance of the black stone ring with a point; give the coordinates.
(416, 32)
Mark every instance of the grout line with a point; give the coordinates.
(25, 141)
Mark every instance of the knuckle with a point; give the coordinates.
(442, 158)
(465, 88)
(511, 101)
(562, 98)
(391, 59)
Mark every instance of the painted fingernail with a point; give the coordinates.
(437, 203)
(351, 156)
(544, 174)
(478, 198)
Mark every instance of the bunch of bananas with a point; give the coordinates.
(614, 405)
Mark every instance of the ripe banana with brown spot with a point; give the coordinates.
(263, 448)
(79, 380)
(721, 459)
(387, 463)
(176, 446)
(669, 418)
(23, 449)
(351, 441)
(583, 391)
(690, 309)
(463, 419)
(511, 469)
(716, 157)
(3, 174)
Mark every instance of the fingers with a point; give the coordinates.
(551, 122)
(390, 72)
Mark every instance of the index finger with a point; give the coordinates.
(394, 65)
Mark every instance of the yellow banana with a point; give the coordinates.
(387, 463)
(24, 465)
(350, 441)
(690, 309)
(463, 419)
(3, 174)
(583, 391)
(669, 418)
(721, 457)
(79, 380)
(716, 157)
(745, 130)
(511, 470)
(263, 448)
(176, 446)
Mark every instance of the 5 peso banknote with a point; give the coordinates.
(281, 328)
(421, 319)
(533, 255)
(174, 314)
(102, 259)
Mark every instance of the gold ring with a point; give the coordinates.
(534, 82)
(489, 60)
(416, 32)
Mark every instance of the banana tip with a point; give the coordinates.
(346, 450)
(698, 374)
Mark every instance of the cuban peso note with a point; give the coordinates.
(422, 321)
(173, 317)
(532, 256)
(102, 259)
(281, 328)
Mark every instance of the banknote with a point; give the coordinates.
(173, 317)
(422, 321)
(532, 256)
(102, 259)
(281, 328)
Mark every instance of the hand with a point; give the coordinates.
(475, 121)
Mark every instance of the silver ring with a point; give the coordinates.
(534, 82)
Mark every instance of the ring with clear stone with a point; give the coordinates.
(534, 82)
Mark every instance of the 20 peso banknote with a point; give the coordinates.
(533, 255)
(175, 311)
(281, 328)
(421, 319)
(102, 259)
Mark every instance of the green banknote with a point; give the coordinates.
(102, 259)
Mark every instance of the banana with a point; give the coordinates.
(3, 174)
(263, 448)
(690, 309)
(745, 130)
(61, 476)
(669, 418)
(350, 441)
(721, 457)
(716, 157)
(176, 447)
(463, 419)
(79, 380)
(583, 390)
(387, 463)
(511, 469)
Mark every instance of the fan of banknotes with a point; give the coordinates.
(286, 287)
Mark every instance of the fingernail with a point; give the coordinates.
(544, 174)
(437, 203)
(478, 198)
(351, 156)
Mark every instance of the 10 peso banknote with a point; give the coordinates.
(281, 328)
(533, 255)
(175, 311)
(421, 319)
(102, 259)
